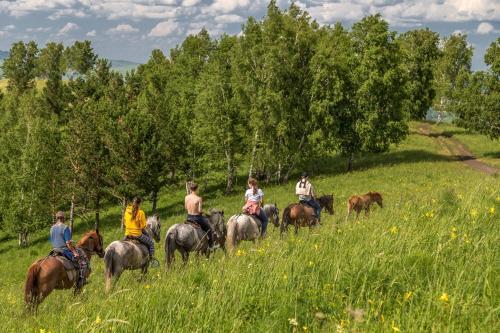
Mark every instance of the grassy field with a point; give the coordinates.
(428, 261)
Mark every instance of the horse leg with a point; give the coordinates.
(185, 256)
(297, 223)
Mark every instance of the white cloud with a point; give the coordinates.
(227, 6)
(91, 33)
(9, 27)
(68, 28)
(484, 28)
(229, 18)
(189, 3)
(165, 28)
(67, 12)
(39, 29)
(122, 29)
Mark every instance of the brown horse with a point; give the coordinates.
(358, 203)
(301, 215)
(49, 273)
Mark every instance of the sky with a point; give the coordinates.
(131, 29)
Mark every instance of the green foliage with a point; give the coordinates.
(20, 67)
(477, 97)
(455, 61)
(419, 51)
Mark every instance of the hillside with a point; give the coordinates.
(427, 261)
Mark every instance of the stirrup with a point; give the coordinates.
(153, 262)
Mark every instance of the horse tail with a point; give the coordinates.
(31, 288)
(286, 220)
(232, 231)
(170, 247)
(109, 267)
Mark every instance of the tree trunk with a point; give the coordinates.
(124, 207)
(254, 152)
(294, 161)
(350, 162)
(97, 209)
(230, 172)
(154, 199)
(23, 239)
(72, 212)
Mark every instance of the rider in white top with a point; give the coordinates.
(305, 191)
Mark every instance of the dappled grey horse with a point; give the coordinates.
(248, 227)
(123, 254)
(186, 237)
(273, 214)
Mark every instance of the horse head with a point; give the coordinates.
(378, 199)
(92, 242)
(275, 213)
(326, 201)
(216, 218)
(154, 225)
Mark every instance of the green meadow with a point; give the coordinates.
(428, 261)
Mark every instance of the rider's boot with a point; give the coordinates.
(153, 262)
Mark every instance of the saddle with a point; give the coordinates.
(193, 224)
(72, 267)
(256, 219)
(135, 241)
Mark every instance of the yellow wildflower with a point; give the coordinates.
(98, 320)
(466, 239)
(492, 210)
(147, 286)
(285, 276)
(382, 319)
(240, 253)
(444, 298)
(293, 321)
(315, 246)
(311, 263)
(408, 295)
(304, 328)
(394, 327)
(394, 230)
(473, 212)
(460, 197)
(498, 199)
(42, 330)
(453, 233)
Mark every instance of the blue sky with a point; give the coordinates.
(130, 29)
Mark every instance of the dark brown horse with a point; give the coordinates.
(49, 273)
(326, 202)
(301, 215)
(360, 202)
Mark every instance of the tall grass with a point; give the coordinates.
(427, 261)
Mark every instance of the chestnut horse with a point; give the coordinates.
(48, 274)
(301, 215)
(358, 203)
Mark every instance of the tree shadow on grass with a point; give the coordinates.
(338, 164)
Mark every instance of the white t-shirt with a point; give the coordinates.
(254, 197)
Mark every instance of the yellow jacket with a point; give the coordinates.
(133, 227)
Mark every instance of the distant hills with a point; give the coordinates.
(121, 66)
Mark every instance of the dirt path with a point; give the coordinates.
(457, 150)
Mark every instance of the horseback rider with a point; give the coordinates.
(305, 191)
(254, 200)
(193, 204)
(135, 222)
(60, 237)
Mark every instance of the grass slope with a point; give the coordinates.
(427, 261)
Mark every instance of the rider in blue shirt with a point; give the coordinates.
(60, 237)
